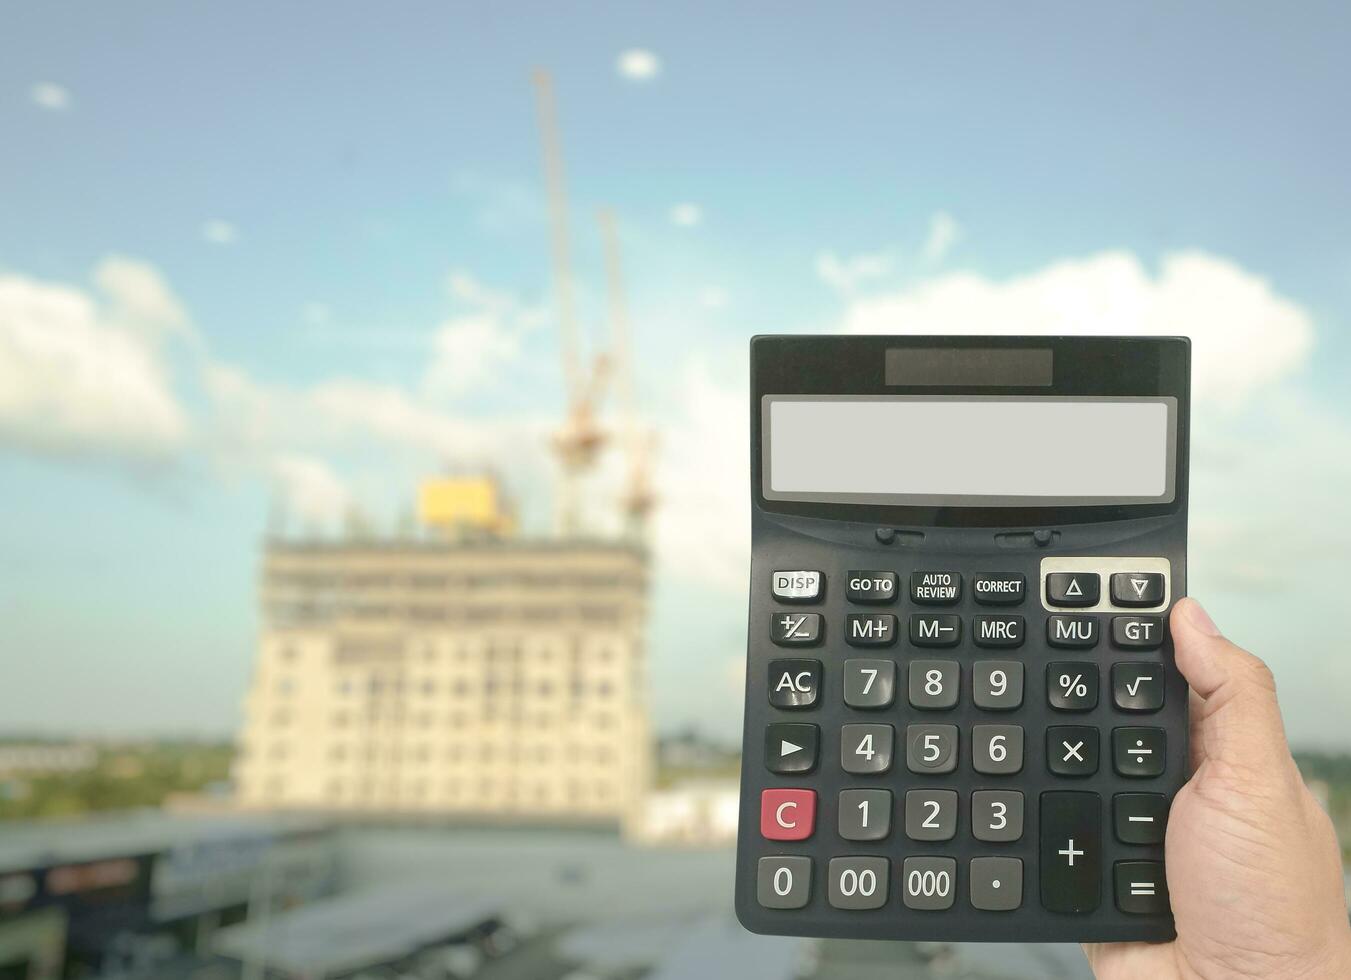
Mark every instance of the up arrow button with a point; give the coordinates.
(1140, 589)
(1073, 588)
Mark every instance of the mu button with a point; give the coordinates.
(787, 814)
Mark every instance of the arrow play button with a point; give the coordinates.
(791, 747)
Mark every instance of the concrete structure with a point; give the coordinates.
(478, 676)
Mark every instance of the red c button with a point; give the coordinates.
(787, 814)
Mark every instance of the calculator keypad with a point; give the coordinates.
(932, 692)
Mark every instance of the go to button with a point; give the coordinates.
(787, 814)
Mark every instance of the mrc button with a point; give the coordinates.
(935, 588)
(1073, 588)
(998, 588)
(997, 631)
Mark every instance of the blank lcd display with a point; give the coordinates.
(969, 450)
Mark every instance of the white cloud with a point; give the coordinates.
(944, 232)
(84, 377)
(1244, 335)
(218, 232)
(467, 353)
(311, 490)
(638, 65)
(687, 215)
(847, 274)
(50, 96)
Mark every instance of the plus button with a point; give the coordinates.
(1070, 853)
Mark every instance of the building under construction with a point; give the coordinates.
(463, 669)
(468, 672)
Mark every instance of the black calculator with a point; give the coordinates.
(963, 719)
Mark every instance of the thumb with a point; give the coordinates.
(1238, 722)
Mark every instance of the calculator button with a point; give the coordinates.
(931, 748)
(1137, 686)
(1071, 851)
(934, 683)
(1138, 751)
(870, 630)
(928, 883)
(794, 683)
(783, 882)
(1141, 887)
(865, 814)
(998, 631)
(858, 882)
(997, 815)
(869, 683)
(1137, 588)
(1072, 686)
(930, 814)
(791, 748)
(997, 750)
(1137, 632)
(1140, 818)
(797, 586)
(787, 814)
(870, 587)
(935, 631)
(791, 629)
(998, 588)
(935, 588)
(996, 884)
(866, 750)
(997, 685)
(1072, 750)
(1073, 588)
(1072, 631)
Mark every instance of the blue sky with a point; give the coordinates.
(312, 237)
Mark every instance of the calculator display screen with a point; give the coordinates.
(969, 451)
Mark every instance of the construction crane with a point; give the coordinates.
(637, 497)
(578, 443)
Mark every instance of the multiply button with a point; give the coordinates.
(870, 587)
(1073, 588)
(870, 630)
(787, 814)
(1137, 588)
(935, 588)
(1072, 750)
(935, 631)
(1137, 632)
(791, 748)
(794, 683)
(1071, 851)
(1138, 751)
(797, 586)
(795, 629)
(999, 589)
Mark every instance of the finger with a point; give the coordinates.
(1238, 721)
(1196, 744)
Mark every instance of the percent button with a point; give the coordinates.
(1072, 686)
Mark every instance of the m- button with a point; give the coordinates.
(1073, 588)
(787, 814)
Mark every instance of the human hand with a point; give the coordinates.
(1254, 871)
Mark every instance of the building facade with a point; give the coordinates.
(493, 678)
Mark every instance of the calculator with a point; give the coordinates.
(963, 720)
